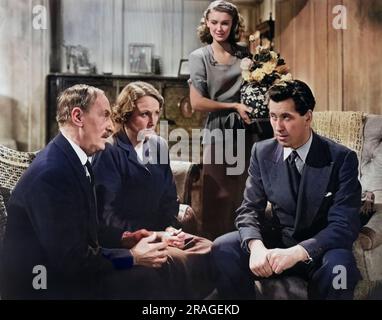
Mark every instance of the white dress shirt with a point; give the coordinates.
(80, 153)
(302, 153)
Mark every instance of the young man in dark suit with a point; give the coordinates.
(54, 247)
(313, 188)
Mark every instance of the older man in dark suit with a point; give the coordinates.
(313, 188)
(54, 247)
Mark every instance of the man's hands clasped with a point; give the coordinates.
(264, 262)
(148, 253)
(150, 249)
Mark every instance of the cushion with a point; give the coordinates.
(185, 173)
(345, 127)
(367, 208)
(13, 163)
(371, 161)
(5, 193)
(282, 288)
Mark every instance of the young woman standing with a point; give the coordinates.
(215, 81)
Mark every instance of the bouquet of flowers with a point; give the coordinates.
(263, 69)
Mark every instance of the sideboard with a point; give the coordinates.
(177, 109)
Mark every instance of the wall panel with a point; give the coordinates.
(342, 66)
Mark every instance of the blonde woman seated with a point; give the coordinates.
(136, 190)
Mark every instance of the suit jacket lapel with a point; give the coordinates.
(315, 178)
(280, 181)
(123, 141)
(80, 174)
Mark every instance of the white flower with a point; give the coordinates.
(246, 75)
(263, 66)
(246, 64)
(274, 56)
(268, 67)
(258, 75)
(286, 77)
(255, 36)
(249, 90)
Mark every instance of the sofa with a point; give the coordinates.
(363, 134)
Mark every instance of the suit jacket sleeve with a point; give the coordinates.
(251, 212)
(109, 173)
(343, 216)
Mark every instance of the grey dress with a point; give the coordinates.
(217, 82)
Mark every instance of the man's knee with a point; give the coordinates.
(225, 244)
(336, 277)
(337, 260)
(341, 267)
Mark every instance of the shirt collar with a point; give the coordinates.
(79, 152)
(301, 151)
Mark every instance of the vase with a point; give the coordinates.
(253, 96)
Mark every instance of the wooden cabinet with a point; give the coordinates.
(177, 110)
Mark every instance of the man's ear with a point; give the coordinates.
(309, 116)
(76, 116)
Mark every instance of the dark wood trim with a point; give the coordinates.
(55, 10)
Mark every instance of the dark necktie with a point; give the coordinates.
(294, 174)
(94, 215)
(90, 171)
(92, 183)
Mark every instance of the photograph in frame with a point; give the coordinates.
(140, 57)
(183, 70)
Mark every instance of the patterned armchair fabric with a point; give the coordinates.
(12, 165)
(3, 220)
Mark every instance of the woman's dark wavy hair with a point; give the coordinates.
(237, 22)
(297, 90)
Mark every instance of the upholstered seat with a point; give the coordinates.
(12, 165)
(363, 134)
(186, 175)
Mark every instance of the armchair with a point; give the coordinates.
(186, 175)
(12, 165)
(362, 133)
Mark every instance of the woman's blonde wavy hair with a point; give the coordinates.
(127, 99)
(237, 22)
